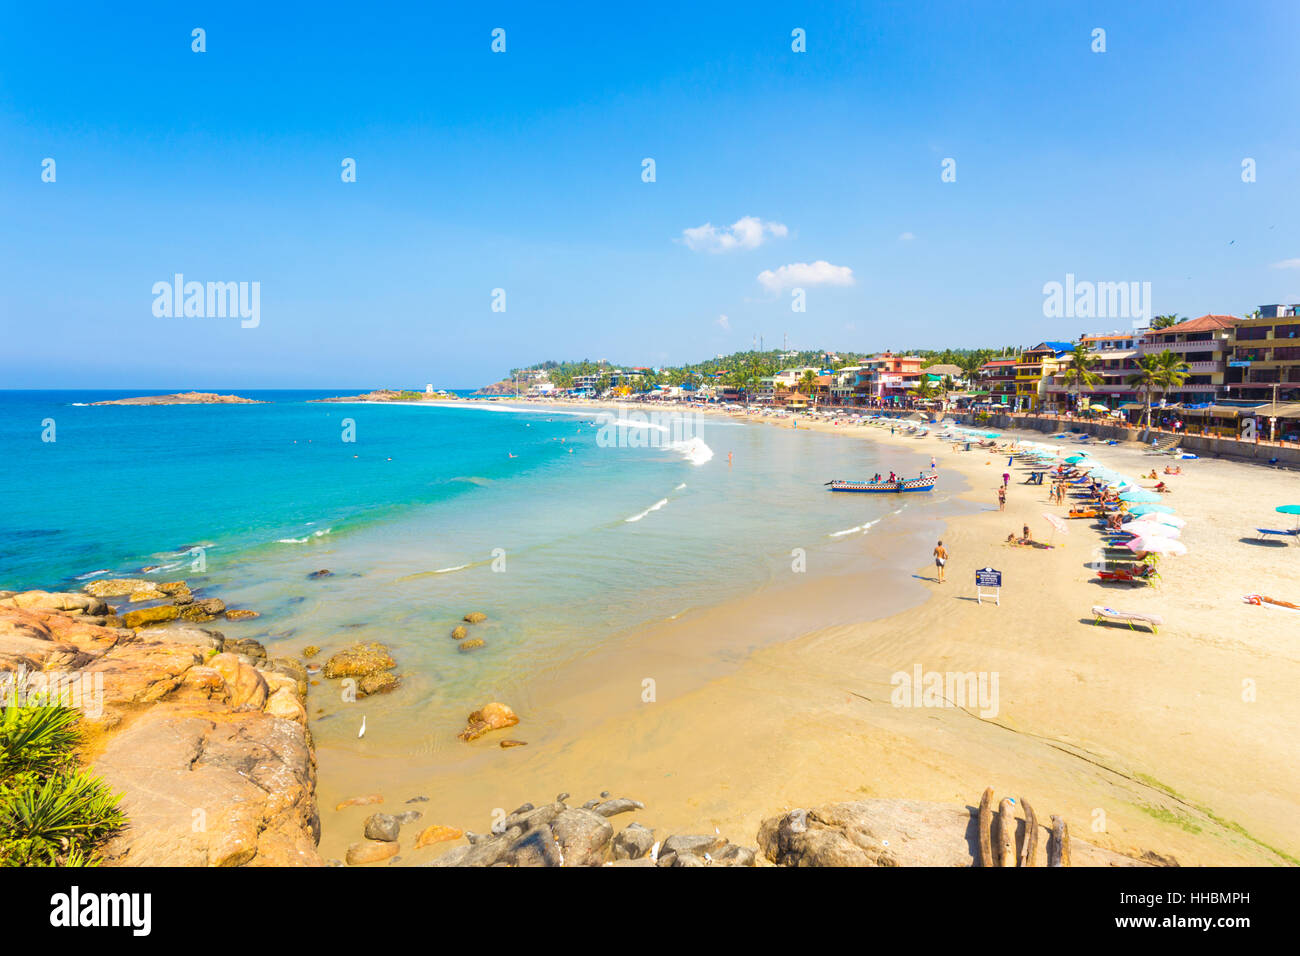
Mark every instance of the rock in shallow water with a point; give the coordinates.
(366, 800)
(359, 660)
(494, 716)
(382, 826)
(474, 617)
(371, 851)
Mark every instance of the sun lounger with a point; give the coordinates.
(1139, 574)
(1264, 532)
(1128, 617)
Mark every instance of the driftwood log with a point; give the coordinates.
(999, 849)
(1029, 851)
(985, 825)
(1007, 833)
(1058, 845)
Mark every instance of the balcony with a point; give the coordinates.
(1203, 345)
(1203, 367)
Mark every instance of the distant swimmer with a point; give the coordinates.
(729, 459)
(512, 454)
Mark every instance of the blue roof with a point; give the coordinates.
(1060, 347)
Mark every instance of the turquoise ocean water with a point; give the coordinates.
(423, 517)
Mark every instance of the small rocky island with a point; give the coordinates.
(394, 395)
(184, 398)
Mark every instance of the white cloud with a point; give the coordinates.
(1287, 264)
(795, 274)
(748, 232)
(906, 237)
(725, 323)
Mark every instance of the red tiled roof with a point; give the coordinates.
(992, 362)
(1205, 323)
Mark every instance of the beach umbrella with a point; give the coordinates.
(1156, 544)
(1057, 525)
(1146, 509)
(1290, 510)
(1172, 520)
(1075, 459)
(1143, 529)
(1139, 496)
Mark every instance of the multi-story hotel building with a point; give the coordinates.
(1264, 359)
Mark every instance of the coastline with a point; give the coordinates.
(1142, 732)
(781, 698)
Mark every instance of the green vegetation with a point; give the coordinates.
(1184, 822)
(52, 813)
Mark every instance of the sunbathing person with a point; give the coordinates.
(1162, 488)
(1169, 470)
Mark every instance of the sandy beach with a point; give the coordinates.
(1180, 743)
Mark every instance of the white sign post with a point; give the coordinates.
(988, 583)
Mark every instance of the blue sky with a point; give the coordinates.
(522, 171)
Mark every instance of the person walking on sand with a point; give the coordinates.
(1002, 498)
(940, 559)
(1006, 478)
(933, 463)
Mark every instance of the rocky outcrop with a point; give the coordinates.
(211, 753)
(892, 833)
(556, 834)
(184, 398)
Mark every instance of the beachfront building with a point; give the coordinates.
(1034, 370)
(842, 384)
(996, 382)
(1204, 344)
(885, 379)
(585, 383)
(1263, 363)
(935, 374)
(1115, 359)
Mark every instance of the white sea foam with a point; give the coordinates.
(680, 487)
(654, 507)
(864, 528)
(92, 574)
(459, 567)
(292, 540)
(693, 450)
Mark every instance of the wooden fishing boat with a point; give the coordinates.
(925, 483)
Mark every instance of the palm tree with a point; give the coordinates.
(1171, 371)
(1080, 374)
(809, 385)
(923, 390)
(1146, 379)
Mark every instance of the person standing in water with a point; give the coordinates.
(940, 559)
